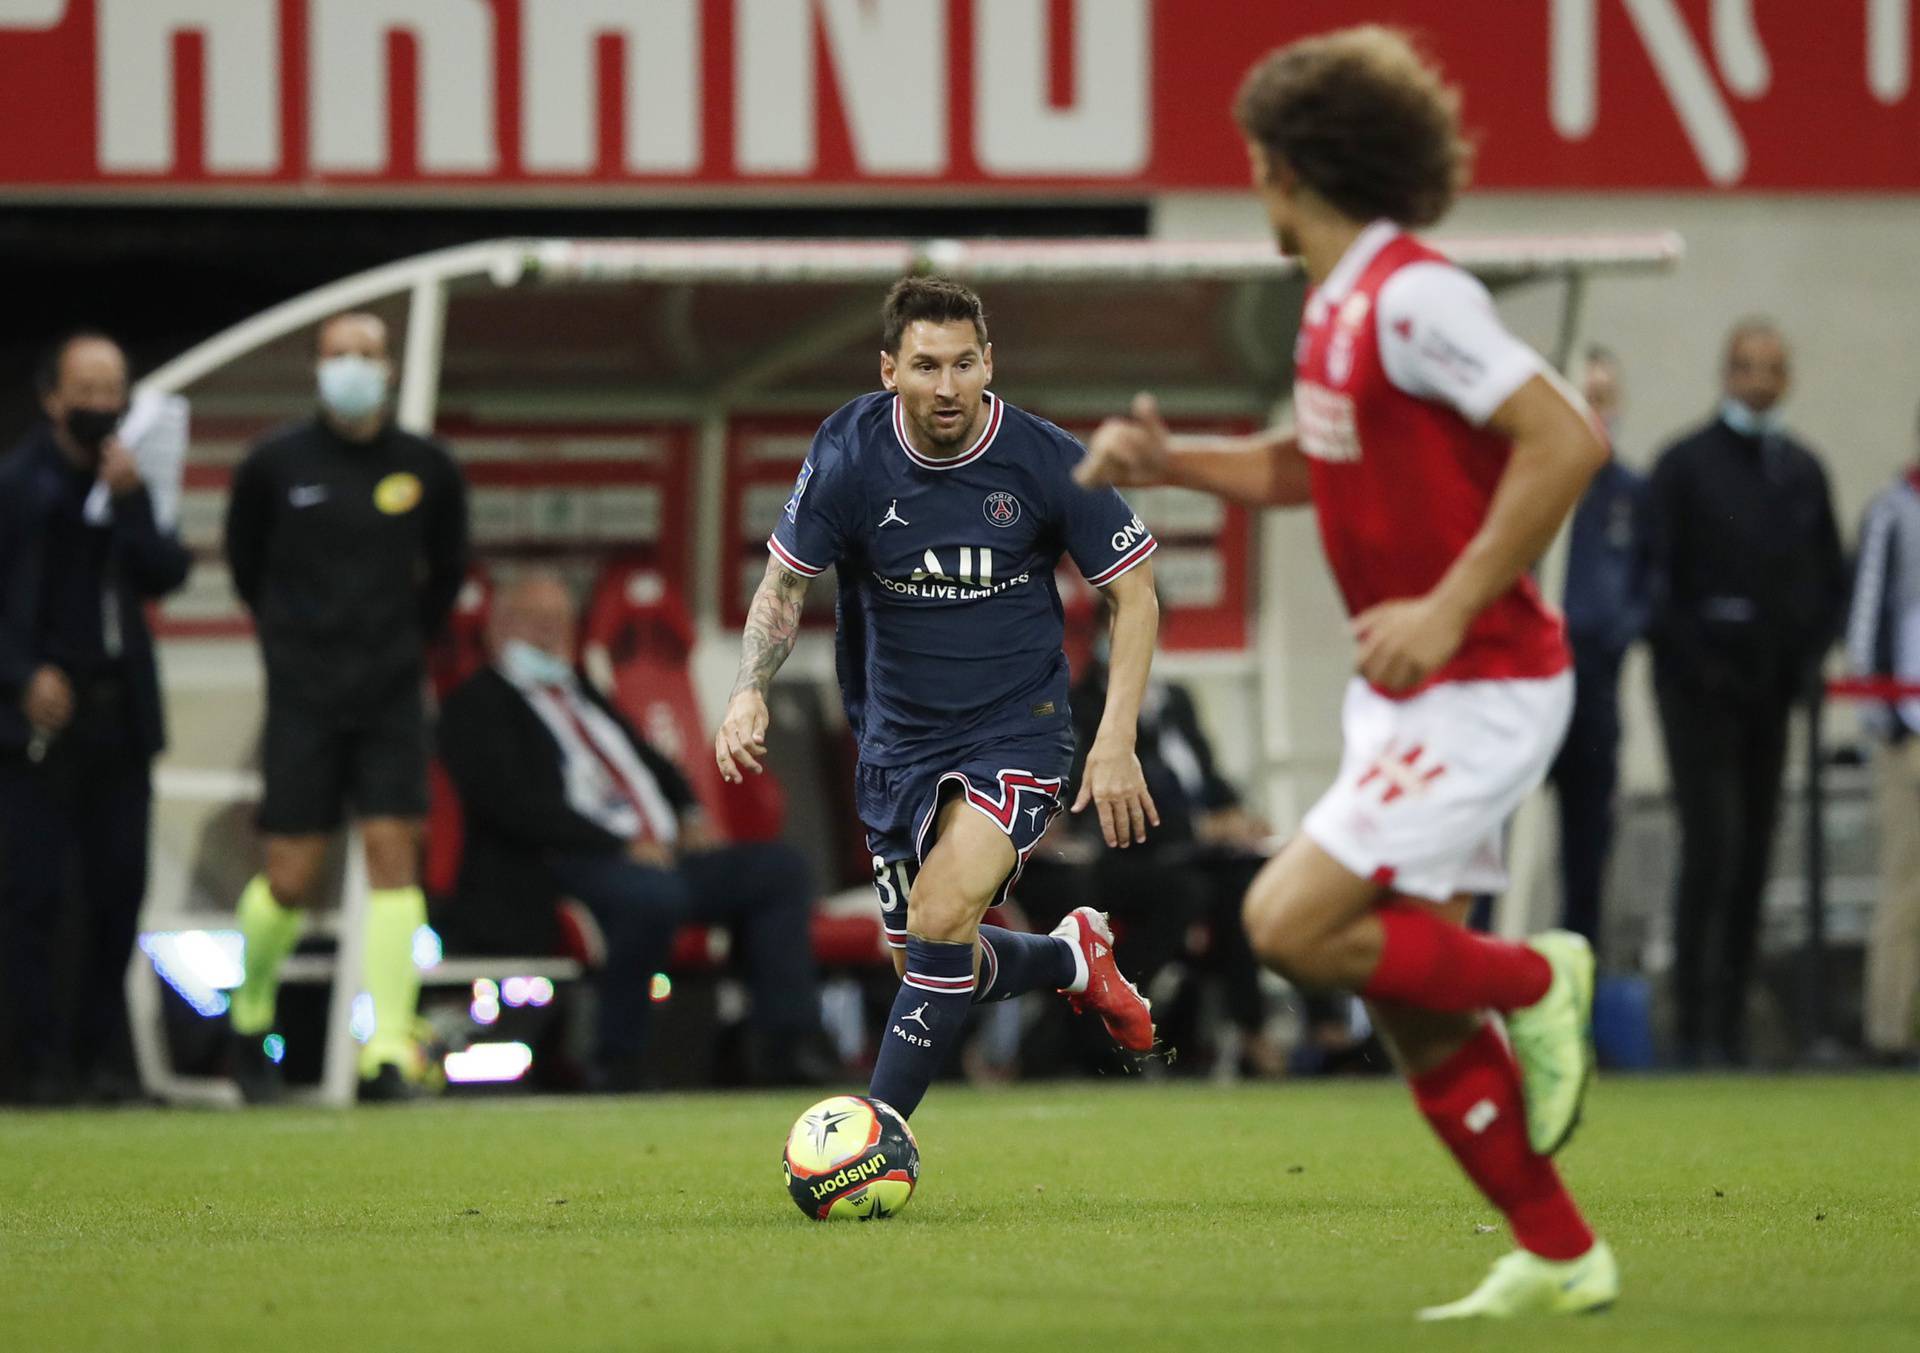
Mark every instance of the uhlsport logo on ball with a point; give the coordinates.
(851, 1158)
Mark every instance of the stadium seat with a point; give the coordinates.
(637, 635)
(461, 650)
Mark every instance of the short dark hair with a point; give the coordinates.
(929, 298)
(46, 371)
(1602, 355)
(1364, 119)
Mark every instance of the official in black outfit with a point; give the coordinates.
(1748, 589)
(347, 538)
(1606, 608)
(80, 717)
(563, 798)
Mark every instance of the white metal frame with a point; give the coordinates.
(426, 281)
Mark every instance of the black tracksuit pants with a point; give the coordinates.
(1725, 760)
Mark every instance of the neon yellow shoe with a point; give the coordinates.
(1552, 1040)
(1525, 1284)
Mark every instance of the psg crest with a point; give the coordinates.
(1002, 508)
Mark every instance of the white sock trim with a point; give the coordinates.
(1079, 982)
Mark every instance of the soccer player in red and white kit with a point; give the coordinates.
(1440, 455)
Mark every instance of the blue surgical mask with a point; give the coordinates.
(353, 387)
(1748, 422)
(530, 666)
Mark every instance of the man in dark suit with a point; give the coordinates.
(80, 716)
(1606, 609)
(562, 797)
(1748, 588)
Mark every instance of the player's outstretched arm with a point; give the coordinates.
(1266, 469)
(1556, 451)
(1113, 781)
(773, 623)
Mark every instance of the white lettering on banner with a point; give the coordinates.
(560, 106)
(1738, 54)
(1325, 422)
(1889, 49)
(1106, 131)
(136, 85)
(32, 13)
(351, 92)
(890, 66)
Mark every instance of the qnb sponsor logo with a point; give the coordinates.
(861, 1173)
(1324, 419)
(789, 60)
(1130, 535)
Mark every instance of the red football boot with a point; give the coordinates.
(1098, 985)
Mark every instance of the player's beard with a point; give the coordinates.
(1288, 241)
(929, 428)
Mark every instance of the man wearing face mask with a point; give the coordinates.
(1606, 609)
(1748, 588)
(563, 797)
(80, 716)
(347, 539)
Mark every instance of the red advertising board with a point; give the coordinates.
(500, 99)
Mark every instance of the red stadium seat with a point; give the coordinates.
(640, 625)
(456, 655)
(461, 650)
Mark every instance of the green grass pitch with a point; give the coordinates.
(1748, 1214)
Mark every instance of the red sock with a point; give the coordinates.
(1473, 1102)
(1428, 962)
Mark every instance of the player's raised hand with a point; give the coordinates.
(1128, 452)
(1402, 643)
(1114, 783)
(742, 739)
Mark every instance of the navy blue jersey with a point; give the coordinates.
(949, 622)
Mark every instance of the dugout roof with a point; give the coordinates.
(628, 328)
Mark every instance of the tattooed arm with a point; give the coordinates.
(773, 622)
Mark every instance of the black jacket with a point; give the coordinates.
(1169, 729)
(146, 563)
(349, 556)
(505, 765)
(1747, 579)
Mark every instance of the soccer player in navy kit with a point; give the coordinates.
(945, 511)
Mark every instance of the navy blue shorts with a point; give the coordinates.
(1017, 785)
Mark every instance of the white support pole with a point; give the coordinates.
(340, 1067)
(146, 1021)
(714, 651)
(712, 573)
(426, 344)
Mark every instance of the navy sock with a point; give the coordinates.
(1012, 963)
(924, 1026)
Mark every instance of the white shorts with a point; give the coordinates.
(1426, 785)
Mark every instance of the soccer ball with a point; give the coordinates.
(851, 1158)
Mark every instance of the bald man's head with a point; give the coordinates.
(537, 609)
(358, 333)
(1758, 367)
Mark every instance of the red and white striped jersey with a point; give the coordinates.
(1401, 360)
